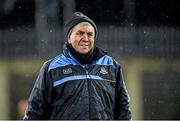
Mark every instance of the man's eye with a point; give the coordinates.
(90, 34)
(79, 33)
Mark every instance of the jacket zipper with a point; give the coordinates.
(87, 75)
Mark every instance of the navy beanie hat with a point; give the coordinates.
(77, 18)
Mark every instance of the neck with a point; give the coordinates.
(83, 58)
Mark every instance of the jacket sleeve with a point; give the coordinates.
(122, 109)
(40, 97)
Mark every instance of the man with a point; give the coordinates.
(83, 83)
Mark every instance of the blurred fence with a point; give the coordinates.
(151, 75)
(33, 30)
(153, 42)
(160, 42)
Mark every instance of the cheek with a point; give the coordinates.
(71, 40)
(92, 42)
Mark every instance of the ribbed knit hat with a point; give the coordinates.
(77, 18)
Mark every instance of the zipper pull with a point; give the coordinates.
(87, 73)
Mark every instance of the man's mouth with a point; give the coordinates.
(83, 44)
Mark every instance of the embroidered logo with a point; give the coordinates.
(103, 70)
(67, 71)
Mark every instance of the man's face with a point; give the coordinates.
(82, 37)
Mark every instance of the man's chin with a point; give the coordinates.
(84, 51)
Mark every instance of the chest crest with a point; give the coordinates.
(103, 70)
(67, 71)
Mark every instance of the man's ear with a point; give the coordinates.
(69, 41)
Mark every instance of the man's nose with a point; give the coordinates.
(85, 36)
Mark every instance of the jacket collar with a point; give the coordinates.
(97, 53)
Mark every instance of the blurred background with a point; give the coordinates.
(143, 35)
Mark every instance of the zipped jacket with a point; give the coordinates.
(66, 89)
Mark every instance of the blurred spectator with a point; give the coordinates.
(22, 105)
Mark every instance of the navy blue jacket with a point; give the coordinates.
(66, 89)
